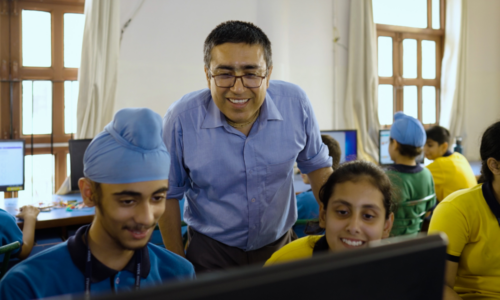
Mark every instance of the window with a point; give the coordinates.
(39, 69)
(410, 37)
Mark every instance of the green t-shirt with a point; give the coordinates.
(411, 183)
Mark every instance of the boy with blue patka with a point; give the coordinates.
(126, 171)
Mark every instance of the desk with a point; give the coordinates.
(57, 217)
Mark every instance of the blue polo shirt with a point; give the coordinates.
(60, 270)
(9, 232)
(239, 189)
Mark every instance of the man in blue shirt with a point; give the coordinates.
(233, 148)
(126, 171)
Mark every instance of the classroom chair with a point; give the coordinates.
(416, 210)
(6, 251)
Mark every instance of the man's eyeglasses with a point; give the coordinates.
(248, 80)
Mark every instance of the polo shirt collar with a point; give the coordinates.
(321, 246)
(214, 117)
(489, 196)
(407, 169)
(447, 153)
(78, 252)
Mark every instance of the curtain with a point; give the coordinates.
(453, 79)
(361, 105)
(99, 66)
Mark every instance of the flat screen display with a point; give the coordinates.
(11, 165)
(348, 142)
(383, 147)
(76, 151)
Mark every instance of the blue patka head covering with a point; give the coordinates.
(129, 149)
(407, 130)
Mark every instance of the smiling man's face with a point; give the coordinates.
(238, 103)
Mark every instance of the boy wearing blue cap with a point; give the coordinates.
(126, 171)
(412, 181)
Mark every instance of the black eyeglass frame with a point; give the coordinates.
(242, 81)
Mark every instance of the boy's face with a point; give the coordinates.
(128, 213)
(433, 150)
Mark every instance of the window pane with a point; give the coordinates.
(36, 38)
(410, 13)
(384, 56)
(70, 102)
(436, 14)
(428, 105)
(410, 101)
(37, 107)
(68, 166)
(385, 104)
(39, 179)
(409, 58)
(73, 37)
(428, 59)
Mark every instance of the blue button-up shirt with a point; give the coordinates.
(239, 189)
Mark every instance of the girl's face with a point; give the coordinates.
(355, 215)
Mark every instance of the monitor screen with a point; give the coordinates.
(396, 268)
(11, 165)
(76, 151)
(348, 143)
(383, 147)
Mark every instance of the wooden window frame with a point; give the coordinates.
(398, 34)
(12, 74)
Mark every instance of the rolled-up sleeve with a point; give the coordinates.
(315, 155)
(172, 136)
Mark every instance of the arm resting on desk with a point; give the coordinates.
(170, 227)
(28, 214)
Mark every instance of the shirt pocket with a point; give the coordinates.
(278, 179)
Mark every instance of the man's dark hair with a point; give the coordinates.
(333, 149)
(237, 32)
(408, 150)
(439, 134)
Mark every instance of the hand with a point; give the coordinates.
(27, 212)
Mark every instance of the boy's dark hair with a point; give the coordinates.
(439, 134)
(408, 150)
(490, 147)
(333, 149)
(357, 170)
(237, 32)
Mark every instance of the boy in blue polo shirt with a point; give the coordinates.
(126, 171)
(10, 232)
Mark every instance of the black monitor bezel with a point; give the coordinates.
(4, 188)
(70, 143)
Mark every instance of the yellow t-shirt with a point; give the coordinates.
(471, 219)
(298, 249)
(451, 173)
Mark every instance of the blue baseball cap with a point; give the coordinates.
(129, 149)
(407, 130)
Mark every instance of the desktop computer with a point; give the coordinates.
(348, 142)
(11, 165)
(394, 268)
(76, 152)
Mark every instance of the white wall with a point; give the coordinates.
(483, 72)
(161, 55)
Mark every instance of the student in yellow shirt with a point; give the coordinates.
(356, 208)
(451, 171)
(471, 220)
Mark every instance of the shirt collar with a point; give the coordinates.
(407, 169)
(489, 196)
(321, 246)
(78, 252)
(214, 117)
(447, 153)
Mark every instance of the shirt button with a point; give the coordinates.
(117, 281)
(253, 200)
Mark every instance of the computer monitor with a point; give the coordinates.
(384, 158)
(409, 269)
(348, 143)
(76, 151)
(11, 165)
